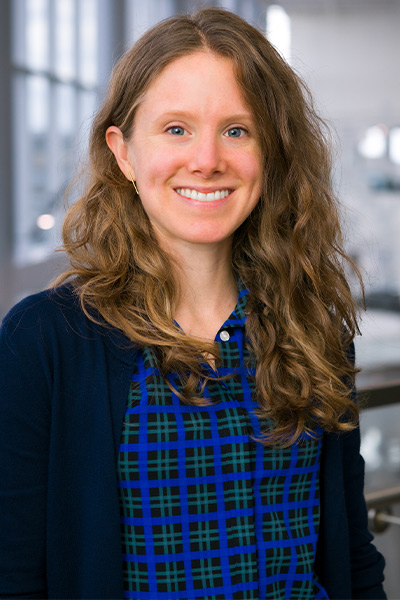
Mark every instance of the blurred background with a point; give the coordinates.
(55, 60)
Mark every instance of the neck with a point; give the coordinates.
(208, 289)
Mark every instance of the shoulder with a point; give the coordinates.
(53, 323)
(48, 299)
(50, 323)
(52, 310)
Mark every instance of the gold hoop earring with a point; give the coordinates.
(133, 183)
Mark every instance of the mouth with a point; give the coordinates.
(203, 197)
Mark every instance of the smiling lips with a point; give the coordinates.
(210, 197)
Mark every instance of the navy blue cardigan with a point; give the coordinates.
(63, 387)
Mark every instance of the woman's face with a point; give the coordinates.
(194, 152)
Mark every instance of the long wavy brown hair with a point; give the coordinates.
(288, 253)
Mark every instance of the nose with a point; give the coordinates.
(207, 157)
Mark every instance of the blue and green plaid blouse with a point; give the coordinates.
(206, 512)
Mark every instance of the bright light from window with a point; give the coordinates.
(88, 33)
(37, 33)
(278, 30)
(373, 143)
(394, 145)
(65, 43)
(45, 222)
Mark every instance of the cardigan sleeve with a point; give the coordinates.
(347, 562)
(25, 384)
(367, 564)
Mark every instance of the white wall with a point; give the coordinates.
(350, 59)
(349, 56)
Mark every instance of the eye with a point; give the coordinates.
(236, 132)
(176, 130)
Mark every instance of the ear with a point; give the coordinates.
(116, 143)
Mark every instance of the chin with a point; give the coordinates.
(208, 239)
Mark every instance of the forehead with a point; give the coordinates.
(201, 81)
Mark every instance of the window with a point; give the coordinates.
(55, 77)
(279, 30)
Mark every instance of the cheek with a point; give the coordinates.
(252, 171)
(156, 166)
(250, 165)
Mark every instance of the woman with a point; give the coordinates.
(178, 415)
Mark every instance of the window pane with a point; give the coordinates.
(65, 42)
(88, 41)
(37, 158)
(37, 34)
(32, 166)
(87, 108)
(65, 120)
(37, 105)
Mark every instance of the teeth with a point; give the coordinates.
(194, 195)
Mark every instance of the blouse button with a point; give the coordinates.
(224, 335)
